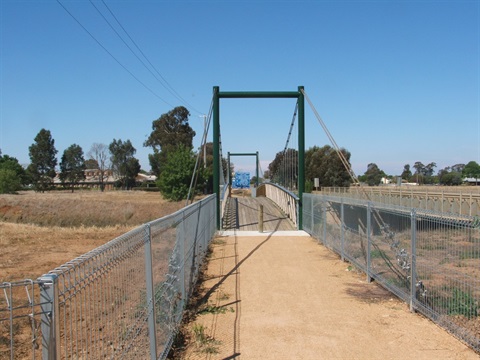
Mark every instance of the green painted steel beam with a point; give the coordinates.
(216, 151)
(244, 154)
(217, 95)
(301, 155)
(257, 94)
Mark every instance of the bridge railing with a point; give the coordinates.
(429, 259)
(463, 200)
(286, 200)
(124, 299)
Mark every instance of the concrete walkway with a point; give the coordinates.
(284, 296)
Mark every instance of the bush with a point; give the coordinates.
(9, 182)
(462, 303)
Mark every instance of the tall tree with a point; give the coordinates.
(168, 132)
(43, 160)
(373, 175)
(406, 173)
(419, 171)
(124, 164)
(99, 153)
(72, 166)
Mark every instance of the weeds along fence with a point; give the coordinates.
(124, 299)
(431, 260)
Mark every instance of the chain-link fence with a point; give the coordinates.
(429, 259)
(124, 299)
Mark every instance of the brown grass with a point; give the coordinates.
(85, 208)
(39, 232)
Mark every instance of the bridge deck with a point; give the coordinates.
(242, 214)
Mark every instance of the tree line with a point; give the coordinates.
(172, 161)
(424, 174)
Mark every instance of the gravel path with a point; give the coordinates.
(287, 297)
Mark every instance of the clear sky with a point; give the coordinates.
(395, 81)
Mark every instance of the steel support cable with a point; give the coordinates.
(193, 181)
(282, 168)
(345, 163)
(113, 57)
(332, 140)
(163, 81)
(376, 214)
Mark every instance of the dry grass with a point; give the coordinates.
(39, 232)
(85, 208)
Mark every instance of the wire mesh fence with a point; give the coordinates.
(429, 259)
(124, 299)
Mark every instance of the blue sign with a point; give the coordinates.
(241, 180)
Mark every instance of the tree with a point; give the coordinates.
(472, 170)
(419, 171)
(9, 181)
(284, 168)
(407, 173)
(124, 164)
(98, 159)
(43, 160)
(174, 181)
(448, 176)
(13, 175)
(72, 166)
(91, 164)
(169, 131)
(206, 176)
(373, 175)
(324, 163)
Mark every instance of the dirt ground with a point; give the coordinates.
(287, 297)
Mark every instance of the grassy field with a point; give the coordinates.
(39, 232)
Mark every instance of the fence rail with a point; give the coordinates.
(124, 299)
(429, 259)
(464, 200)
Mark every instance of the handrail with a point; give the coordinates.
(285, 199)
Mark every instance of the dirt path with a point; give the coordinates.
(287, 297)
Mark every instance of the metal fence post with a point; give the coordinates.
(369, 218)
(324, 215)
(50, 322)
(413, 267)
(150, 300)
(342, 224)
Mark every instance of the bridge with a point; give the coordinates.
(127, 298)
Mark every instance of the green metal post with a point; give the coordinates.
(229, 170)
(216, 150)
(301, 154)
(257, 169)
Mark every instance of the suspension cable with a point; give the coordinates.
(344, 161)
(193, 181)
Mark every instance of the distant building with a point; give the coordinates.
(471, 181)
(93, 179)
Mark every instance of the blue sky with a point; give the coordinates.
(395, 81)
